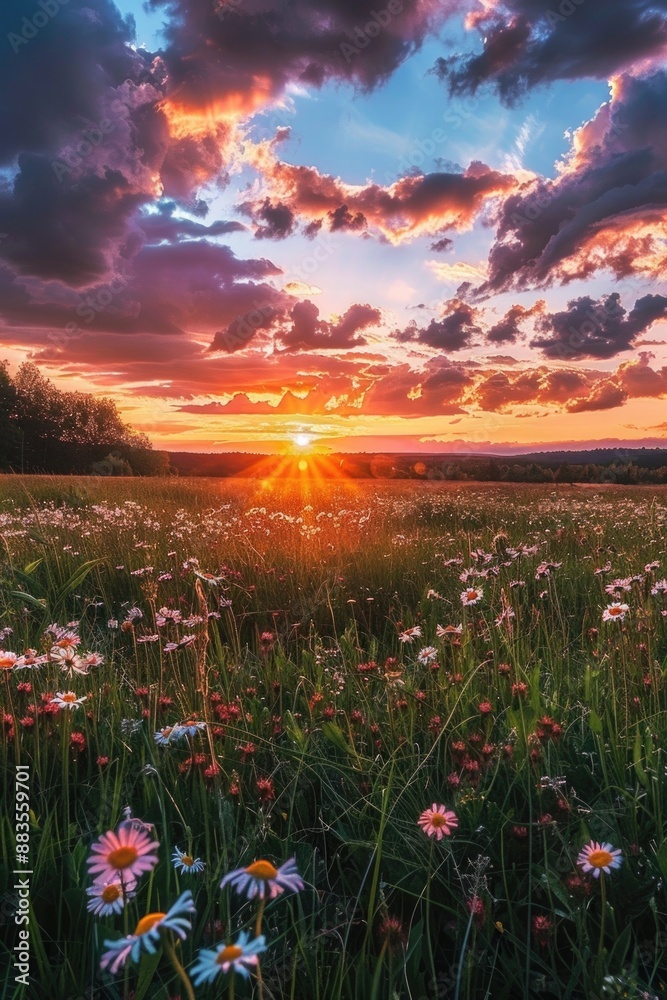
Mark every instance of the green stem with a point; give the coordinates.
(258, 931)
(231, 984)
(429, 942)
(180, 971)
(603, 896)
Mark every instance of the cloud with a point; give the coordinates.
(508, 329)
(606, 207)
(277, 222)
(309, 332)
(453, 332)
(163, 224)
(413, 205)
(238, 54)
(531, 42)
(596, 329)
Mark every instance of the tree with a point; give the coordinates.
(10, 435)
(65, 431)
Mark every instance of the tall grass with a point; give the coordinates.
(328, 738)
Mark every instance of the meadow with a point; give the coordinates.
(417, 731)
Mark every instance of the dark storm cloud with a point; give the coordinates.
(453, 332)
(530, 42)
(596, 329)
(277, 221)
(55, 78)
(164, 225)
(508, 329)
(70, 231)
(247, 50)
(189, 287)
(606, 208)
(309, 332)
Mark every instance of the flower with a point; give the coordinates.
(427, 655)
(448, 630)
(129, 851)
(109, 897)
(189, 728)
(410, 634)
(67, 700)
(615, 612)
(261, 879)
(163, 736)
(147, 934)
(598, 858)
(438, 821)
(187, 864)
(242, 956)
(182, 643)
(7, 660)
(210, 578)
(471, 596)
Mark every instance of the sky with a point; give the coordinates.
(387, 225)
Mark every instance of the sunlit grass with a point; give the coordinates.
(538, 724)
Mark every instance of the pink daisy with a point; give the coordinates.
(127, 853)
(438, 821)
(597, 858)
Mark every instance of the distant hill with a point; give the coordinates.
(624, 465)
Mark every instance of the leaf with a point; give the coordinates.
(661, 859)
(78, 576)
(149, 964)
(637, 761)
(37, 602)
(535, 693)
(334, 734)
(595, 723)
(31, 567)
(618, 952)
(293, 730)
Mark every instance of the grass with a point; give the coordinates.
(539, 725)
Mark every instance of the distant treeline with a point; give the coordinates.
(627, 467)
(45, 430)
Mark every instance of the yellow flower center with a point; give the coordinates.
(110, 893)
(148, 922)
(262, 870)
(600, 859)
(70, 696)
(471, 595)
(123, 857)
(190, 722)
(229, 954)
(615, 611)
(187, 860)
(438, 820)
(6, 662)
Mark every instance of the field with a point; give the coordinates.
(252, 672)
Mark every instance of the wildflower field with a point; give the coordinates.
(332, 741)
